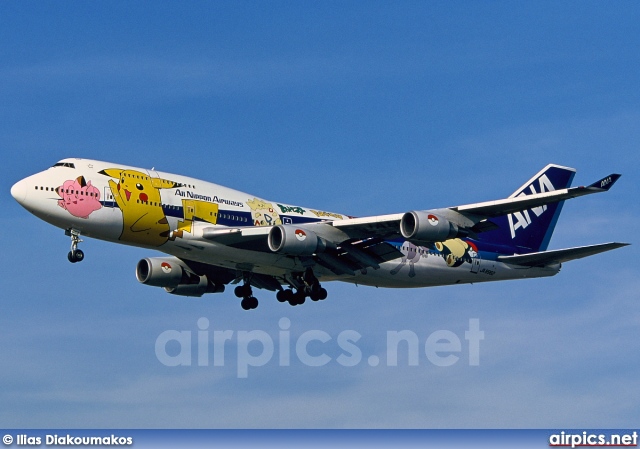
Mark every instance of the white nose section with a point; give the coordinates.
(19, 191)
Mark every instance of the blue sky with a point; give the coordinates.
(362, 108)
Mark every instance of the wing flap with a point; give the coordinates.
(234, 236)
(379, 225)
(353, 256)
(370, 253)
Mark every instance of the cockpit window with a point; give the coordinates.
(65, 164)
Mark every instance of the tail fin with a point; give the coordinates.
(530, 230)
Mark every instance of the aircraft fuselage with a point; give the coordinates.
(169, 213)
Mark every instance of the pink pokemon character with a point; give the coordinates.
(79, 198)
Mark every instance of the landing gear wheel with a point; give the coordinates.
(249, 303)
(283, 295)
(242, 291)
(78, 255)
(297, 298)
(317, 293)
(75, 256)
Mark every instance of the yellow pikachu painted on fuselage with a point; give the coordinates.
(138, 197)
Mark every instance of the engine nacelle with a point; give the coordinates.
(294, 241)
(424, 226)
(160, 271)
(196, 289)
(174, 276)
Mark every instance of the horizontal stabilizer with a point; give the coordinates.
(559, 255)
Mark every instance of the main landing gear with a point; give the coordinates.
(308, 286)
(75, 255)
(248, 300)
(303, 285)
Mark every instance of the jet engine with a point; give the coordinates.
(174, 276)
(423, 226)
(294, 241)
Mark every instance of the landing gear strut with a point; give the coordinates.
(248, 300)
(75, 255)
(313, 289)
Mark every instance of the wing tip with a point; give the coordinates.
(605, 183)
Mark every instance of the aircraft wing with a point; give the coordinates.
(344, 255)
(234, 236)
(472, 217)
(507, 206)
(384, 226)
(357, 243)
(559, 255)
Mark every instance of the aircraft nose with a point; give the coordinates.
(19, 191)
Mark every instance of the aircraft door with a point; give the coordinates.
(108, 199)
(188, 213)
(475, 263)
(154, 177)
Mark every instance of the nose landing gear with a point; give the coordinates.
(75, 255)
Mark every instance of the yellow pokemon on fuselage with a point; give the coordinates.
(263, 213)
(138, 197)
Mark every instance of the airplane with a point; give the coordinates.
(212, 236)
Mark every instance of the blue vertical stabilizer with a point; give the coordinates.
(530, 230)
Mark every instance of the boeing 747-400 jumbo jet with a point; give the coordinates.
(214, 235)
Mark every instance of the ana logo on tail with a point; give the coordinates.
(523, 219)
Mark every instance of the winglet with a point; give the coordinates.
(605, 183)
